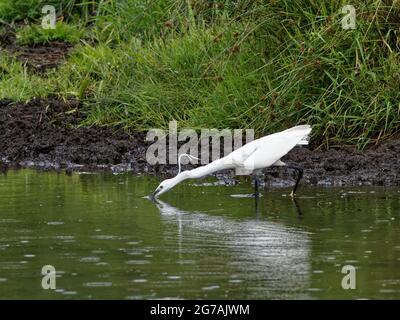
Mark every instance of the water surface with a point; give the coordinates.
(201, 241)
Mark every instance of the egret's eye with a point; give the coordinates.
(161, 187)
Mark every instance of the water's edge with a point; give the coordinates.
(46, 134)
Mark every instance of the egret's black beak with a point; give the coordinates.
(152, 196)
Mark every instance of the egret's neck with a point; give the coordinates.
(199, 171)
(207, 169)
(180, 177)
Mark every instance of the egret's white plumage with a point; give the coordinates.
(250, 158)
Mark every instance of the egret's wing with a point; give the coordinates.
(271, 148)
(239, 156)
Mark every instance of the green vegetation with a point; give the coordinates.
(240, 64)
(17, 84)
(18, 10)
(34, 34)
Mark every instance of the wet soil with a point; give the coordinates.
(38, 58)
(45, 134)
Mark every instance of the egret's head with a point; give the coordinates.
(164, 187)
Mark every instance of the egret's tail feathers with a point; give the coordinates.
(301, 127)
(306, 129)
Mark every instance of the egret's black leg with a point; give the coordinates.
(299, 176)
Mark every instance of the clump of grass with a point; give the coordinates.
(263, 66)
(17, 84)
(11, 10)
(118, 21)
(18, 10)
(34, 34)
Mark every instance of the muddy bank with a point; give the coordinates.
(45, 134)
(38, 58)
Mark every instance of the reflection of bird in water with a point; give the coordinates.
(249, 159)
(269, 256)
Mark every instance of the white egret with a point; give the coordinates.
(249, 159)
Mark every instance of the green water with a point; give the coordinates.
(108, 242)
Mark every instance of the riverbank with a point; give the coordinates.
(262, 65)
(46, 134)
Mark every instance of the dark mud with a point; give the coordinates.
(38, 58)
(45, 134)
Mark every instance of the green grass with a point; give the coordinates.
(18, 10)
(17, 84)
(35, 34)
(266, 65)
